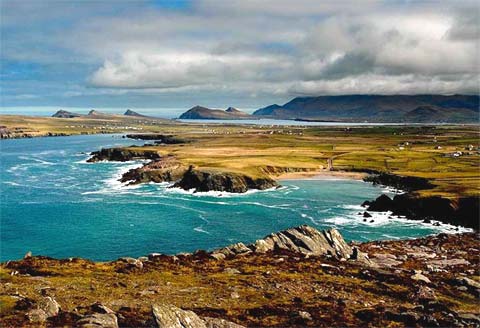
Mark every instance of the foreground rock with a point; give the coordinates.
(303, 240)
(294, 278)
(169, 316)
(98, 320)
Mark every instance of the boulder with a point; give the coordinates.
(418, 276)
(50, 306)
(303, 240)
(37, 316)
(98, 320)
(169, 316)
(220, 323)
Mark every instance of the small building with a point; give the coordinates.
(437, 147)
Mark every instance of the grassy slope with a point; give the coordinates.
(264, 291)
(252, 149)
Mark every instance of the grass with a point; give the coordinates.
(265, 150)
(266, 291)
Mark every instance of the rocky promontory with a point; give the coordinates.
(460, 211)
(123, 154)
(169, 169)
(298, 277)
(463, 211)
(207, 180)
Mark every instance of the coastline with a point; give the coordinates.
(322, 175)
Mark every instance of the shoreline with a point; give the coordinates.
(322, 175)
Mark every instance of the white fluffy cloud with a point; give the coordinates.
(273, 49)
(306, 48)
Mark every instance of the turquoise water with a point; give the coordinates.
(54, 203)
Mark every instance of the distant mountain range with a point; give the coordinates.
(199, 112)
(93, 113)
(378, 108)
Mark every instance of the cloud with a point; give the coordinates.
(248, 49)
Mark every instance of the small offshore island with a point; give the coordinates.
(297, 277)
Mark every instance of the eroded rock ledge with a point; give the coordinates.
(463, 211)
(302, 240)
(168, 169)
(123, 154)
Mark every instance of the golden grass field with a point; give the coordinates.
(281, 151)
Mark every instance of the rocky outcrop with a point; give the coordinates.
(122, 155)
(46, 308)
(302, 240)
(429, 281)
(166, 169)
(98, 320)
(169, 316)
(206, 180)
(463, 211)
(399, 182)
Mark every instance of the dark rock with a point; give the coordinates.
(463, 211)
(202, 180)
(400, 182)
(122, 155)
(366, 315)
(367, 215)
(159, 138)
(408, 318)
(382, 204)
(166, 169)
(100, 308)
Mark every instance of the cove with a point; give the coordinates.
(53, 203)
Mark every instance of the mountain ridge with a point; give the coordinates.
(200, 112)
(378, 108)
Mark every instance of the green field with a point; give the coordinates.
(421, 151)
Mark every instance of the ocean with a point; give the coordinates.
(53, 203)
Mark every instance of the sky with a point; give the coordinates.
(246, 54)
